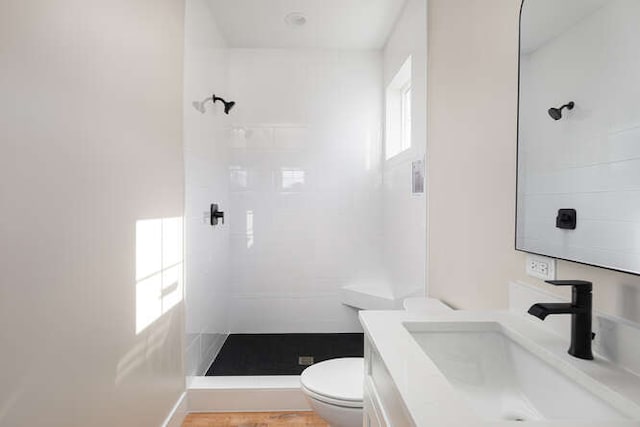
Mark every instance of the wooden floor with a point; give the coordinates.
(255, 419)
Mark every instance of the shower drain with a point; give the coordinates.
(305, 360)
(514, 417)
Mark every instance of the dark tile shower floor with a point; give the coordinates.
(279, 354)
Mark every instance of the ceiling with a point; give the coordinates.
(543, 20)
(331, 24)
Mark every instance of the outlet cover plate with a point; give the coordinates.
(541, 267)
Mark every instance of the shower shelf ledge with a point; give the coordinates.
(371, 297)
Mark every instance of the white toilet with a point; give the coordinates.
(334, 389)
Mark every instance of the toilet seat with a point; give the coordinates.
(334, 402)
(337, 382)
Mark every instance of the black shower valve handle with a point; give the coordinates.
(216, 214)
(220, 215)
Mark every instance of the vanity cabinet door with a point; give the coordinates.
(373, 412)
(382, 401)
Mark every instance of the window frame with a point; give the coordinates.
(398, 112)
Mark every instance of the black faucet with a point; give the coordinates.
(580, 310)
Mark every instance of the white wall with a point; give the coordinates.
(405, 215)
(91, 145)
(589, 160)
(473, 77)
(305, 212)
(473, 52)
(206, 139)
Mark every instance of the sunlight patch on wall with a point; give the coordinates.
(159, 261)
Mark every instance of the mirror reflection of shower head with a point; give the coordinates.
(556, 113)
(200, 106)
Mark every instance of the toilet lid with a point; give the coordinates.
(338, 379)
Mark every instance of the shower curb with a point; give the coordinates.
(246, 394)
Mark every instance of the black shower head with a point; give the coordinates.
(556, 113)
(228, 105)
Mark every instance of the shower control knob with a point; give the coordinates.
(216, 214)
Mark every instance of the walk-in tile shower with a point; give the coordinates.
(288, 109)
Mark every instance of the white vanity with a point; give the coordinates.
(486, 369)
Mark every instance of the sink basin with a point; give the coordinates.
(502, 379)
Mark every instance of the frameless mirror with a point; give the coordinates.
(579, 132)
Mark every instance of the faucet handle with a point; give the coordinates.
(583, 285)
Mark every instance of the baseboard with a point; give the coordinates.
(178, 413)
(246, 394)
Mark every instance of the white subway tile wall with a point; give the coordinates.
(405, 214)
(206, 152)
(305, 198)
(297, 167)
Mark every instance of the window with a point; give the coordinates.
(406, 117)
(398, 112)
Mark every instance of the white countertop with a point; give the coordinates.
(431, 400)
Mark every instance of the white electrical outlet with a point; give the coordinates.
(541, 267)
